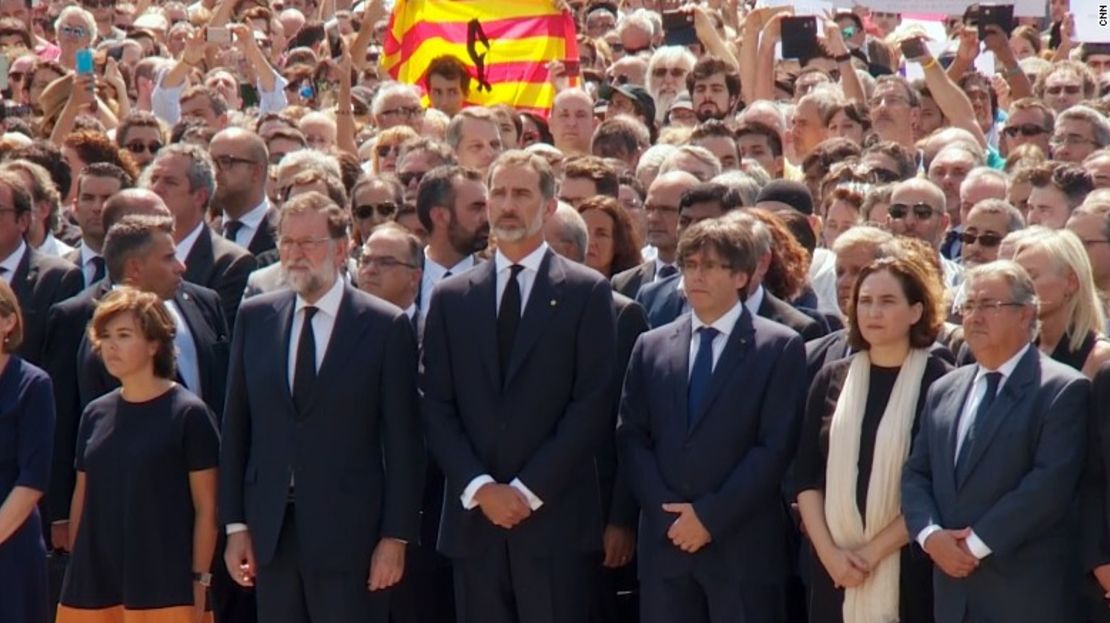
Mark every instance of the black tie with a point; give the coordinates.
(304, 374)
(98, 269)
(446, 274)
(231, 229)
(667, 271)
(993, 380)
(508, 319)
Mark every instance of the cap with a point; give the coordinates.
(639, 96)
(793, 194)
(681, 102)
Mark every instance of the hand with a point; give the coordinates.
(113, 76)
(846, 568)
(969, 45)
(83, 92)
(59, 535)
(834, 39)
(557, 75)
(503, 505)
(1102, 574)
(239, 558)
(870, 556)
(387, 564)
(1002, 88)
(687, 532)
(772, 30)
(242, 34)
(619, 544)
(996, 41)
(1067, 31)
(948, 552)
(200, 602)
(195, 44)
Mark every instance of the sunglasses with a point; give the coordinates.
(676, 72)
(73, 32)
(986, 239)
(138, 147)
(921, 211)
(1025, 129)
(98, 4)
(384, 151)
(384, 210)
(879, 175)
(407, 179)
(1070, 89)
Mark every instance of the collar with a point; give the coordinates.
(755, 301)
(11, 263)
(87, 254)
(186, 244)
(725, 324)
(530, 261)
(1006, 369)
(659, 264)
(410, 311)
(253, 219)
(329, 303)
(435, 270)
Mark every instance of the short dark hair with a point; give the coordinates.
(902, 157)
(712, 128)
(48, 156)
(918, 287)
(854, 110)
(216, 102)
(21, 198)
(733, 243)
(1070, 179)
(138, 119)
(603, 176)
(106, 169)
(450, 68)
(620, 134)
(704, 192)
(774, 139)
(437, 189)
(151, 316)
(709, 66)
(131, 236)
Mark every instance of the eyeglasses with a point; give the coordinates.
(676, 72)
(1070, 139)
(305, 245)
(17, 76)
(1070, 89)
(72, 32)
(985, 239)
(921, 211)
(879, 175)
(616, 47)
(1025, 129)
(407, 179)
(226, 162)
(137, 147)
(987, 307)
(406, 111)
(384, 262)
(383, 151)
(384, 210)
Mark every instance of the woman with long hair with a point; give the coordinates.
(614, 244)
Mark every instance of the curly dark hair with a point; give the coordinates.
(789, 269)
(626, 242)
(94, 146)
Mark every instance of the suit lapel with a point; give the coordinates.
(483, 290)
(202, 334)
(737, 346)
(199, 261)
(679, 372)
(284, 308)
(538, 309)
(1011, 395)
(25, 275)
(948, 415)
(349, 326)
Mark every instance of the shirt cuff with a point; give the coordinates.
(232, 528)
(926, 533)
(471, 489)
(534, 502)
(977, 547)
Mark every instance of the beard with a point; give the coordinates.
(225, 196)
(516, 233)
(309, 281)
(712, 111)
(464, 242)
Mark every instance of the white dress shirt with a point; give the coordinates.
(188, 362)
(755, 300)
(186, 245)
(53, 246)
(250, 222)
(88, 268)
(967, 418)
(165, 102)
(435, 272)
(525, 279)
(724, 325)
(11, 263)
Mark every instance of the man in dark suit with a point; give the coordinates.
(242, 164)
(38, 280)
(710, 414)
(183, 175)
(319, 467)
(451, 205)
(517, 365)
(98, 182)
(989, 486)
(661, 208)
(389, 268)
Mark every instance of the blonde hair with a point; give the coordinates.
(1084, 309)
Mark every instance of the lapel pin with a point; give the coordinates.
(554, 303)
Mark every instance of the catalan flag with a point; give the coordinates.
(506, 44)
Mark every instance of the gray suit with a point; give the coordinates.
(1016, 491)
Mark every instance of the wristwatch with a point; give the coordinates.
(204, 579)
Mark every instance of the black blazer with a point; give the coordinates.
(543, 426)
(730, 465)
(834, 347)
(1016, 492)
(774, 308)
(1093, 498)
(221, 265)
(265, 237)
(629, 282)
(39, 282)
(354, 454)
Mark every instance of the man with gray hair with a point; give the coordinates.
(988, 488)
(475, 136)
(1080, 130)
(397, 104)
(567, 234)
(987, 224)
(183, 176)
(979, 184)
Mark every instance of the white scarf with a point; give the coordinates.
(876, 600)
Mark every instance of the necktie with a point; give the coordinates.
(447, 274)
(508, 319)
(98, 269)
(667, 271)
(304, 374)
(993, 380)
(701, 374)
(231, 229)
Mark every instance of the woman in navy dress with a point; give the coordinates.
(26, 443)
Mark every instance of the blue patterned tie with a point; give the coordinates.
(993, 380)
(701, 374)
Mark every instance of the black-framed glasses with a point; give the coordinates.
(383, 151)
(407, 112)
(879, 175)
(385, 209)
(1026, 129)
(921, 211)
(226, 162)
(138, 147)
(985, 239)
(407, 179)
(383, 261)
(988, 307)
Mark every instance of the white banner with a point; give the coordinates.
(1022, 8)
(1092, 21)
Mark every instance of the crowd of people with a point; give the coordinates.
(724, 337)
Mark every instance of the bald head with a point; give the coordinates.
(572, 121)
(292, 21)
(661, 206)
(133, 201)
(248, 143)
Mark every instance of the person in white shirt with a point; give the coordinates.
(451, 205)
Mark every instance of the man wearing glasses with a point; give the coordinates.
(242, 163)
(987, 224)
(389, 267)
(1080, 131)
(917, 210)
(397, 104)
(1031, 121)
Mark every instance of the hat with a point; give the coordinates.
(681, 102)
(794, 194)
(643, 101)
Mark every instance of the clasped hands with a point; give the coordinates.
(503, 505)
(687, 532)
(950, 552)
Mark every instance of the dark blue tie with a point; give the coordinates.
(701, 374)
(667, 271)
(993, 379)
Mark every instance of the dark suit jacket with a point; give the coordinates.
(731, 464)
(629, 282)
(662, 301)
(544, 425)
(265, 237)
(39, 282)
(1016, 494)
(834, 347)
(774, 308)
(221, 265)
(354, 454)
(618, 503)
(1093, 498)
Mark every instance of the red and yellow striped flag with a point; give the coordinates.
(506, 44)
